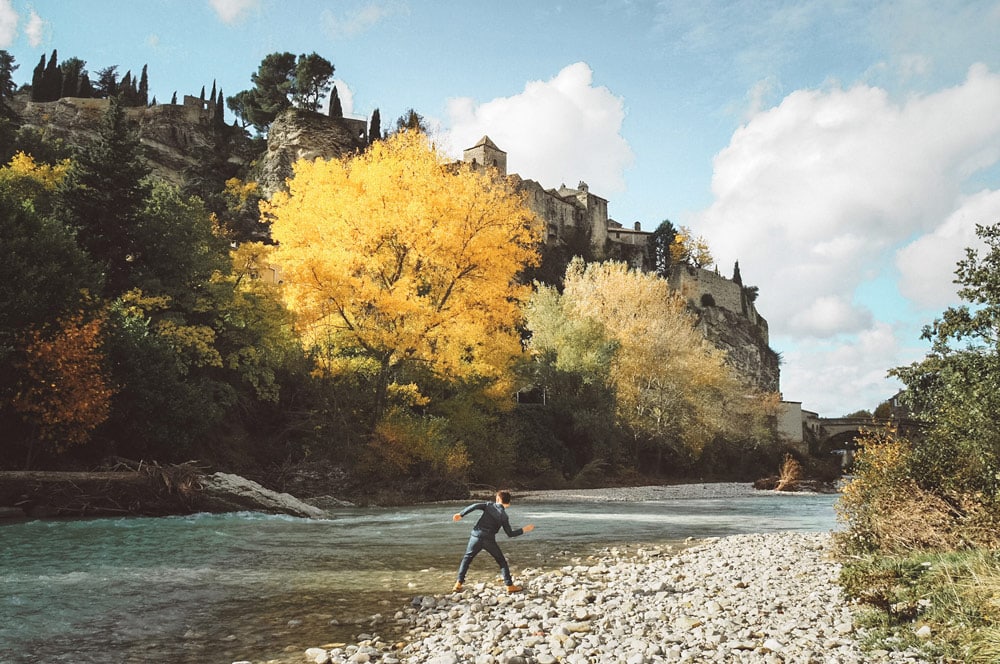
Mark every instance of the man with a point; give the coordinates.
(484, 537)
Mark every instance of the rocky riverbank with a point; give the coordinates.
(748, 598)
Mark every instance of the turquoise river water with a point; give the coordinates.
(206, 588)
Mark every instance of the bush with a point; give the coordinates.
(887, 510)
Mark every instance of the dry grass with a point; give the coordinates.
(791, 474)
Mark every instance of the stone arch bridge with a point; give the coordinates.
(829, 434)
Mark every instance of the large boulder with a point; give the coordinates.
(296, 134)
(225, 492)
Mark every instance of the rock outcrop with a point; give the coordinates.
(176, 139)
(296, 134)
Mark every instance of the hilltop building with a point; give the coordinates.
(725, 309)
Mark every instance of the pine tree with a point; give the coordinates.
(102, 197)
(375, 127)
(336, 110)
(142, 99)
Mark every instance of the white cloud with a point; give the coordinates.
(812, 196)
(33, 31)
(927, 265)
(231, 11)
(839, 377)
(557, 131)
(354, 22)
(8, 23)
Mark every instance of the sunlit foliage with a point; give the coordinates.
(672, 388)
(393, 258)
(66, 392)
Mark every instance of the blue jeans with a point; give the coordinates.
(477, 544)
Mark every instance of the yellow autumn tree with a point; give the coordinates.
(686, 248)
(673, 389)
(395, 258)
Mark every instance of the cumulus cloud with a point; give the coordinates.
(231, 11)
(8, 23)
(927, 264)
(556, 131)
(355, 21)
(841, 376)
(33, 31)
(814, 195)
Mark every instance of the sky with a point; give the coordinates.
(842, 151)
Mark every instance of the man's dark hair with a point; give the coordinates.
(503, 497)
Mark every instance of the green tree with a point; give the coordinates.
(37, 80)
(73, 70)
(142, 98)
(107, 82)
(375, 127)
(659, 245)
(51, 79)
(313, 75)
(336, 109)
(8, 118)
(103, 195)
(956, 387)
(411, 120)
(274, 84)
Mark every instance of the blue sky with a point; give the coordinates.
(841, 150)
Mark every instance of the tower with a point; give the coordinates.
(486, 153)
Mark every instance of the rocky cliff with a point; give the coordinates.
(175, 138)
(298, 134)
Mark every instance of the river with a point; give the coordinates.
(221, 588)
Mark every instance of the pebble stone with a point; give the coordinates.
(771, 598)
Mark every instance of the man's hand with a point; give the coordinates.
(528, 528)
(457, 517)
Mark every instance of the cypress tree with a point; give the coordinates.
(375, 127)
(52, 79)
(336, 110)
(220, 109)
(202, 96)
(173, 100)
(86, 87)
(125, 88)
(38, 80)
(143, 93)
(212, 96)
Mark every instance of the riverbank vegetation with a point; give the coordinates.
(378, 318)
(923, 511)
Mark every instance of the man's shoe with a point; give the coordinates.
(457, 588)
(514, 589)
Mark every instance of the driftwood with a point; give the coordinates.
(144, 490)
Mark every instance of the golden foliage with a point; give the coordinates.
(67, 393)
(394, 256)
(686, 248)
(887, 510)
(790, 475)
(671, 384)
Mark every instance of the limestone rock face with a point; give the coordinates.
(175, 138)
(296, 134)
(746, 350)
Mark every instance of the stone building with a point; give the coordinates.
(725, 310)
